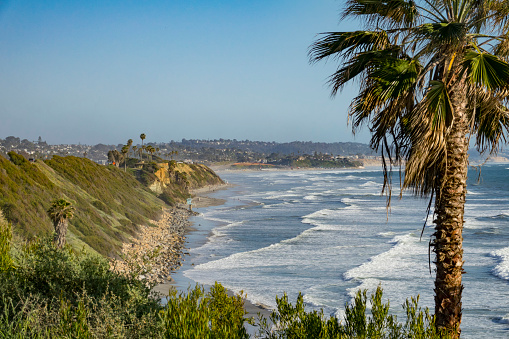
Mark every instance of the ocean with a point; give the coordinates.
(328, 234)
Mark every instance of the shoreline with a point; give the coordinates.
(158, 250)
(370, 165)
(201, 199)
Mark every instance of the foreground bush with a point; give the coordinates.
(47, 292)
(290, 321)
(199, 315)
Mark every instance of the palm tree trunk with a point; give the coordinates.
(449, 210)
(60, 233)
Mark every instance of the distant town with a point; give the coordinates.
(206, 151)
(315, 154)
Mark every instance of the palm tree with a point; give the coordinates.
(142, 150)
(134, 150)
(60, 212)
(125, 150)
(151, 149)
(432, 74)
(142, 137)
(129, 144)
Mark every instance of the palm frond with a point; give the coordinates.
(491, 120)
(437, 105)
(383, 13)
(436, 35)
(427, 129)
(358, 64)
(501, 49)
(345, 44)
(486, 70)
(387, 95)
(499, 14)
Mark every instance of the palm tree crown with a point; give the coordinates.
(432, 74)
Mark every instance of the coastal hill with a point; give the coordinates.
(110, 203)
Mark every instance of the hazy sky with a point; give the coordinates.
(104, 71)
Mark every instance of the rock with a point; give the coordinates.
(156, 250)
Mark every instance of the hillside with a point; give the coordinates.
(110, 203)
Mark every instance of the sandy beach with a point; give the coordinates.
(201, 198)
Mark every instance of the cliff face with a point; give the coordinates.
(110, 203)
(172, 181)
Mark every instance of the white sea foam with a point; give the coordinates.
(397, 261)
(277, 196)
(369, 284)
(283, 204)
(311, 197)
(387, 234)
(502, 269)
(320, 214)
(372, 184)
(352, 242)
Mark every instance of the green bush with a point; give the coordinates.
(6, 262)
(199, 315)
(290, 321)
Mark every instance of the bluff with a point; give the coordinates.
(110, 203)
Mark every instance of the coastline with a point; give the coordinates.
(157, 249)
(368, 165)
(201, 199)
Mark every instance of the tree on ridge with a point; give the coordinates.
(129, 144)
(60, 212)
(432, 74)
(125, 151)
(142, 137)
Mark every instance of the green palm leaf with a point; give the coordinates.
(437, 105)
(358, 64)
(345, 44)
(392, 13)
(434, 35)
(486, 70)
(491, 120)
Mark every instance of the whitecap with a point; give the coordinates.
(398, 261)
(502, 269)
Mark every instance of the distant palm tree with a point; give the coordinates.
(60, 212)
(134, 150)
(151, 149)
(432, 74)
(143, 149)
(130, 144)
(125, 151)
(142, 137)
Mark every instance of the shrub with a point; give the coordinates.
(290, 321)
(199, 315)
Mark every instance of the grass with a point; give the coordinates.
(109, 202)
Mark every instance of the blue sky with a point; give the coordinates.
(106, 71)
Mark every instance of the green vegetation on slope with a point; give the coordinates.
(109, 202)
(47, 292)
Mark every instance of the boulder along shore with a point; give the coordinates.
(159, 248)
